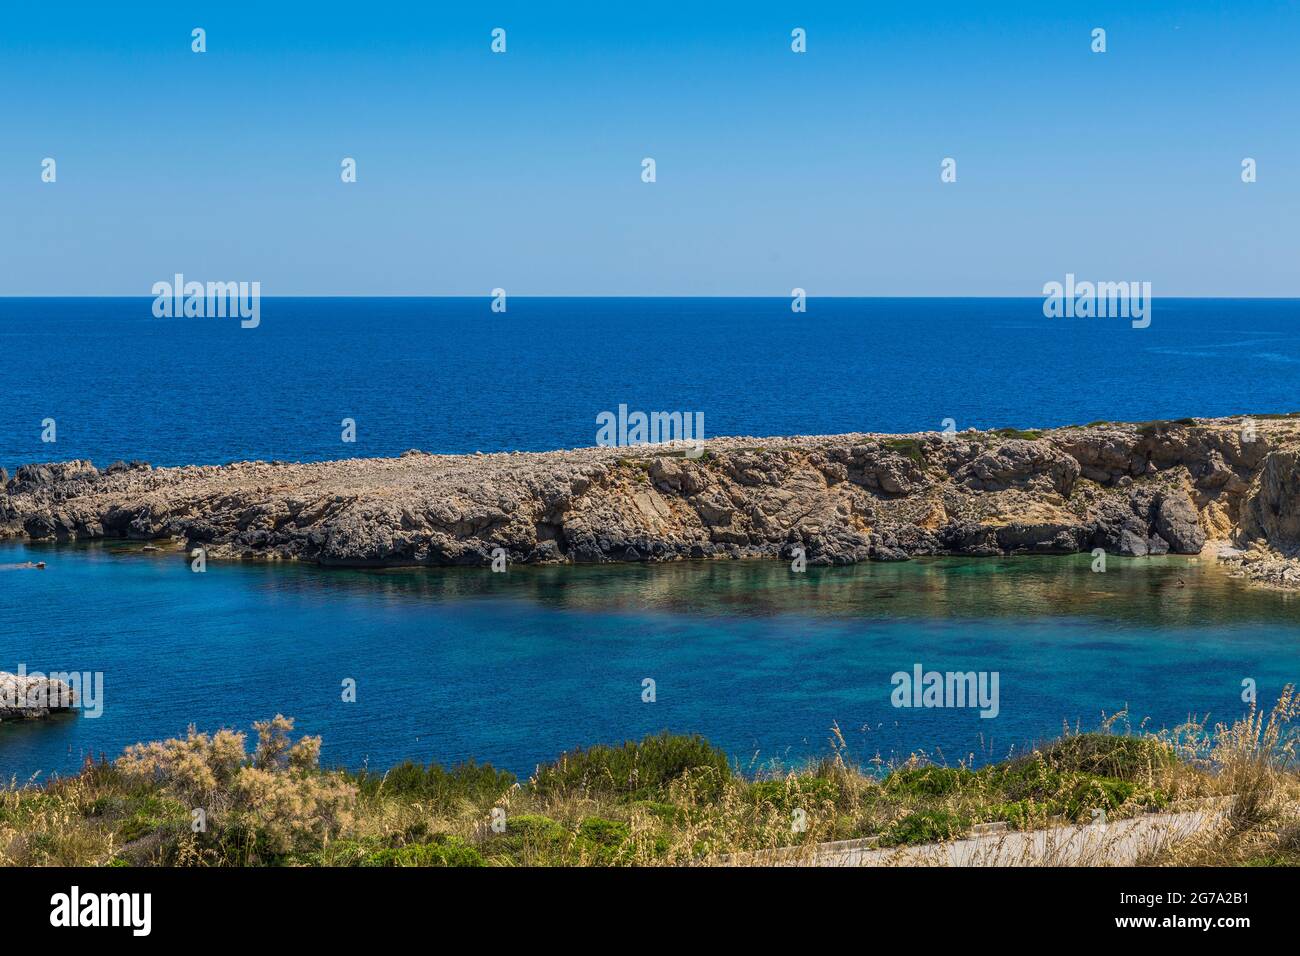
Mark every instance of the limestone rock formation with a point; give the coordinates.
(1146, 489)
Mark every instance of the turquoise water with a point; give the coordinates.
(515, 668)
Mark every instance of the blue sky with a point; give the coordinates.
(775, 170)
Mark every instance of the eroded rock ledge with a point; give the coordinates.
(1131, 489)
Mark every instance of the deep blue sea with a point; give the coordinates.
(449, 375)
(515, 668)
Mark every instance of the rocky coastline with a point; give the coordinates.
(1230, 486)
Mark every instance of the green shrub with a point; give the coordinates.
(794, 792)
(642, 769)
(925, 826)
(908, 448)
(1077, 774)
(1096, 793)
(1028, 778)
(530, 838)
(604, 842)
(480, 784)
(447, 851)
(1018, 433)
(236, 842)
(1109, 794)
(1280, 858)
(147, 814)
(1018, 814)
(928, 781)
(1108, 755)
(666, 813)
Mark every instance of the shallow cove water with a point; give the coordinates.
(515, 668)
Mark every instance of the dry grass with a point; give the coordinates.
(1251, 769)
(1192, 795)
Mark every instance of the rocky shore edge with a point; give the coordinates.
(1230, 486)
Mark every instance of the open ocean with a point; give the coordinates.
(449, 375)
(515, 668)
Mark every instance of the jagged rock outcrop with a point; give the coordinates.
(1274, 511)
(1021, 463)
(1148, 489)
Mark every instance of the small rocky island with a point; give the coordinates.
(1231, 485)
(27, 697)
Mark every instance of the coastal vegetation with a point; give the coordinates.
(666, 800)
